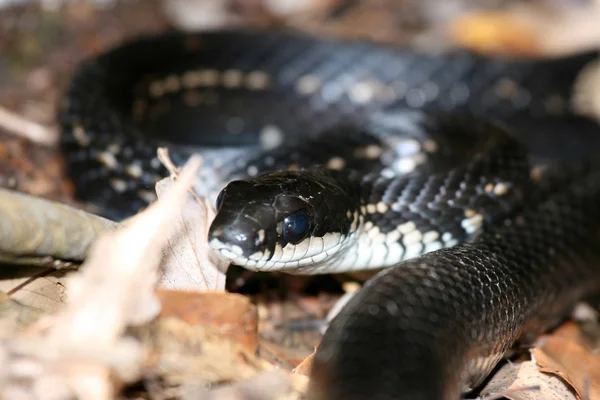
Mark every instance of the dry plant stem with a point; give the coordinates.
(189, 263)
(19, 126)
(41, 274)
(165, 159)
(37, 231)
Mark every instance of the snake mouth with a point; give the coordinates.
(227, 251)
(310, 256)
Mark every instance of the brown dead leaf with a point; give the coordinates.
(232, 315)
(188, 354)
(563, 355)
(524, 381)
(572, 331)
(83, 350)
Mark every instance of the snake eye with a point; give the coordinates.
(295, 226)
(219, 201)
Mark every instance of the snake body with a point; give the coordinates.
(339, 155)
(435, 326)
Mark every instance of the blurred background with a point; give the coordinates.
(41, 42)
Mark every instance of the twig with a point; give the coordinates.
(33, 131)
(20, 286)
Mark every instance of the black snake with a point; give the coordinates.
(375, 155)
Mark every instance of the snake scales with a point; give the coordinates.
(375, 155)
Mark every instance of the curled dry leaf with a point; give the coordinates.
(566, 354)
(524, 381)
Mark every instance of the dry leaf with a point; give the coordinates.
(524, 381)
(38, 289)
(204, 338)
(572, 331)
(82, 350)
(565, 357)
(15, 316)
(188, 262)
(189, 354)
(232, 315)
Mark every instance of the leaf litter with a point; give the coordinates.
(123, 321)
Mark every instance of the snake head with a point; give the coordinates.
(282, 220)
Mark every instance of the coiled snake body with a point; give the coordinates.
(348, 155)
